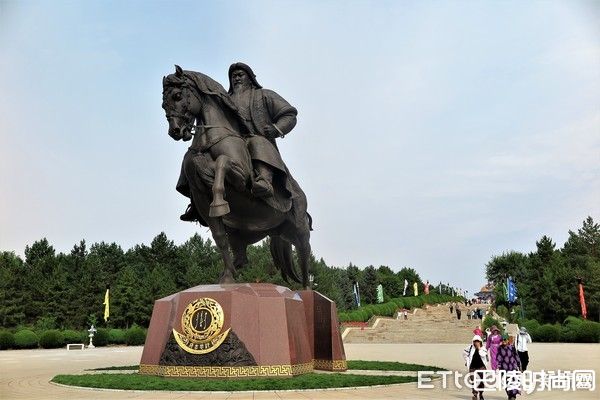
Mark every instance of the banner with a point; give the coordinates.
(582, 300)
(405, 286)
(106, 306)
(512, 291)
(380, 293)
(356, 291)
(416, 288)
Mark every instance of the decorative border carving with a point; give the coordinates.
(250, 371)
(331, 365)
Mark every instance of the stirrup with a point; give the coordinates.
(190, 214)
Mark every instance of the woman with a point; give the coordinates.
(493, 342)
(508, 360)
(476, 359)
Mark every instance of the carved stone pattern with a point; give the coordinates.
(232, 352)
(226, 372)
(331, 365)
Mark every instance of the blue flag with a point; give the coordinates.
(512, 291)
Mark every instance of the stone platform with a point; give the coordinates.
(242, 330)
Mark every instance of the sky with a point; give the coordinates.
(431, 134)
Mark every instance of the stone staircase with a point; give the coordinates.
(431, 324)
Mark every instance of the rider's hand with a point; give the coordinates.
(270, 132)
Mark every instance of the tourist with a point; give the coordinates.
(477, 331)
(458, 312)
(508, 360)
(493, 342)
(523, 339)
(476, 359)
(405, 314)
(451, 308)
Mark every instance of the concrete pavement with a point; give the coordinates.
(25, 374)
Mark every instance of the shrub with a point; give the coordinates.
(532, 325)
(568, 331)
(71, 336)
(547, 333)
(116, 336)
(26, 339)
(490, 321)
(101, 337)
(343, 317)
(135, 336)
(7, 340)
(51, 339)
(587, 332)
(502, 311)
(572, 320)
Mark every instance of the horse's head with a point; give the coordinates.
(181, 104)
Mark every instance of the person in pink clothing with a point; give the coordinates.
(492, 344)
(477, 331)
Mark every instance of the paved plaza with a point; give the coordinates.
(25, 374)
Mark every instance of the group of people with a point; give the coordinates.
(499, 353)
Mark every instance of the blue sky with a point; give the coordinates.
(431, 134)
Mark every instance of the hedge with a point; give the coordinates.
(26, 339)
(101, 337)
(71, 336)
(116, 336)
(363, 314)
(51, 339)
(546, 333)
(135, 336)
(7, 340)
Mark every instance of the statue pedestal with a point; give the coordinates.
(242, 330)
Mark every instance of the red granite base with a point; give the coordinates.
(267, 330)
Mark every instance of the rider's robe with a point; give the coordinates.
(266, 107)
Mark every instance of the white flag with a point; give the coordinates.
(405, 286)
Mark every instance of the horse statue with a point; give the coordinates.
(217, 174)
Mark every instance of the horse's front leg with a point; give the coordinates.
(219, 206)
(219, 234)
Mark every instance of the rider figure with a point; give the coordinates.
(267, 116)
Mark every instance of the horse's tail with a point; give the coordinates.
(281, 250)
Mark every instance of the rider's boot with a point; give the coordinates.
(190, 214)
(263, 183)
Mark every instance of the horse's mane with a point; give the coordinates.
(206, 85)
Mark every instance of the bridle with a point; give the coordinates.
(171, 112)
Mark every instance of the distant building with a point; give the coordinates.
(486, 293)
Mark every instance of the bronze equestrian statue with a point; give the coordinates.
(233, 173)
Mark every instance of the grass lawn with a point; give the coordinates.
(389, 366)
(352, 364)
(148, 382)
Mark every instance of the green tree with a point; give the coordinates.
(369, 288)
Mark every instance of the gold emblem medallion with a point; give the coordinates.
(201, 322)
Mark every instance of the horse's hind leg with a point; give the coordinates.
(238, 248)
(303, 249)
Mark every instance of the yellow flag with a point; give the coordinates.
(106, 310)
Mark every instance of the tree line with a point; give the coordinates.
(547, 278)
(49, 289)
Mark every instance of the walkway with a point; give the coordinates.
(25, 374)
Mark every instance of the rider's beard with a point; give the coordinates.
(241, 87)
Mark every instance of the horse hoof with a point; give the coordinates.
(218, 210)
(226, 278)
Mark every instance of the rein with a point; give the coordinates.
(207, 127)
